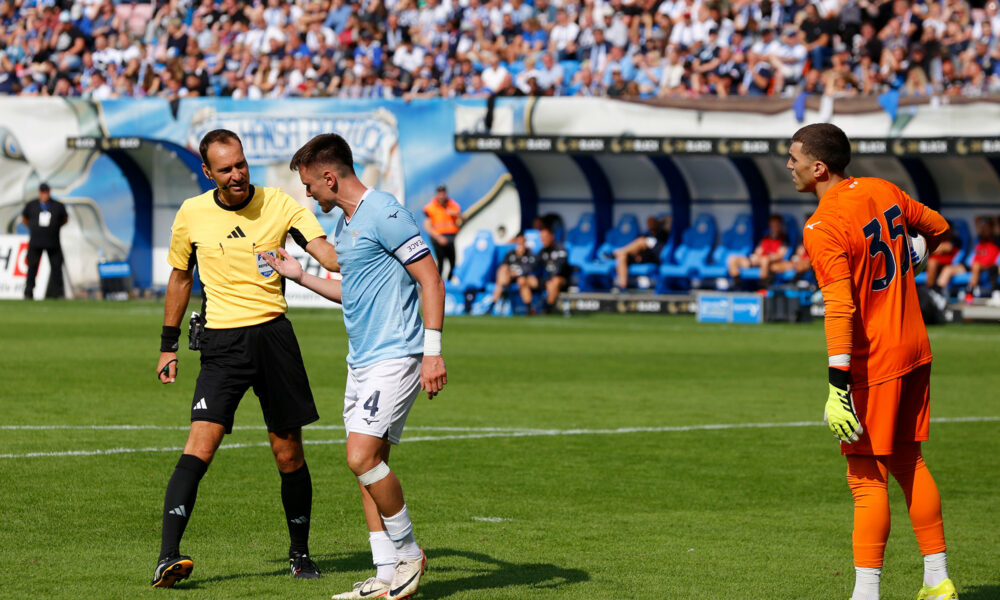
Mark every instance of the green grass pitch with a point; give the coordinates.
(567, 458)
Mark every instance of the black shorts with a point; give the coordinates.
(265, 356)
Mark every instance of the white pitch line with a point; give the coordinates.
(488, 433)
(237, 428)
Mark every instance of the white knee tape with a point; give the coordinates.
(378, 473)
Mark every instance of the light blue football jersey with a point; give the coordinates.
(381, 305)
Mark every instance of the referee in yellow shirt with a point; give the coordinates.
(247, 340)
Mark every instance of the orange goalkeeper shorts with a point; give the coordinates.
(893, 411)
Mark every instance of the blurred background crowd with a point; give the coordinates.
(477, 48)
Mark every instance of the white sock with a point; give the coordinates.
(383, 554)
(866, 583)
(400, 531)
(935, 568)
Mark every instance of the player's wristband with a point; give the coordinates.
(840, 378)
(168, 338)
(432, 342)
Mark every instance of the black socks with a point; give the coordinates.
(296, 496)
(178, 503)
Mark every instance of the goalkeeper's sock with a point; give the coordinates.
(400, 531)
(867, 478)
(383, 555)
(296, 497)
(866, 583)
(935, 569)
(178, 502)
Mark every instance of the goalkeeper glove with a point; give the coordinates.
(839, 413)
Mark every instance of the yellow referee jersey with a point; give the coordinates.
(240, 288)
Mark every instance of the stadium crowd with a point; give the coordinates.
(477, 48)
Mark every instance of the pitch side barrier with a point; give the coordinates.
(717, 146)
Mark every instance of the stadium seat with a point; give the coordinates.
(533, 240)
(476, 269)
(736, 241)
(598, 274)
(581, 241)
(570, 68)
(691, 255)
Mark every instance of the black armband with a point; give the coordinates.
(168, 338)
(840, 378)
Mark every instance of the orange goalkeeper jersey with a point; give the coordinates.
(860, 232)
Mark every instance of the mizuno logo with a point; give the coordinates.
(369, 421)
(299, 521)
(180, 511)
(811, 225)
(201, 405)
(393, 215)
(237, 233)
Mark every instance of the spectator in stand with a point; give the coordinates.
(519, 266)
(943, 256)
(772, 249)
(985, 254)
(644, 249)
(799, 263)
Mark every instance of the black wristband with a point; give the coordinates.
(840, 378)
(168, 338)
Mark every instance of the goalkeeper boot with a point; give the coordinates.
(370, 588)
(302, 566)
(171, 570)
(942, 591)
(406, 577)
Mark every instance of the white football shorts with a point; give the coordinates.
(379, 397)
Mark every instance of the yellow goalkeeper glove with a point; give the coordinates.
(839, 413)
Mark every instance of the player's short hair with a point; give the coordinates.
(215, 136)
(327, 149)
(826, 143)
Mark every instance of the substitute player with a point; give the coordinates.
(880, 357)
(247, 341)
(391, 356)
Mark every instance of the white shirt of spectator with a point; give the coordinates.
(683, 34)
(793, 59)
(108, 56)
(522, 79)
(324, 34)
(409, 59)
(766, 48)
(701, 29)
(616, 32)
(561, 35)
(493, 78)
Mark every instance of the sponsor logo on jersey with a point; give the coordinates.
(263, 268)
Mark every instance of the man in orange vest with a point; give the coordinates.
(444, 217)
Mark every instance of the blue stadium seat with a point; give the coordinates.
(570, 68)
(651, 270)
(581, 241)
(598, 273)
(736, 241)
(477, 267)
(533, 240)
(965, 256)
(691, 255)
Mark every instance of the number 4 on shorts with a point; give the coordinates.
(371, 404)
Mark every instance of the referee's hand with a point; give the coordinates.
(433, 375)
(166, 369)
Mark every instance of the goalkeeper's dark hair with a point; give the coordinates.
(826, 143)
(213, 137)
(329, 150)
